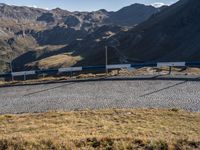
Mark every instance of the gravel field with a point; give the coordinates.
(182, 94)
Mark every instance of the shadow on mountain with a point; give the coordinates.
(58, 35)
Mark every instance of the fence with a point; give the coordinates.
(24, 74)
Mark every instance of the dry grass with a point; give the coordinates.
(49, 48)
(103, 129)
(56, 61)
(162, 70)
(47, 79)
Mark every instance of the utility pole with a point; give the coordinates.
(170, 70)
(11, 64)
(106, 50)
(11, 69)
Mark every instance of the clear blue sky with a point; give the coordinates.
(82, 5)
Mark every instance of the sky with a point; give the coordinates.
(83, 5)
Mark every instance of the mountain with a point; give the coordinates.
(125, 15)
(25, 31)
(171, 35)
(75, 54)
(57, 38)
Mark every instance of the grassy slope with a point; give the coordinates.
(56, 61)
(104, 129)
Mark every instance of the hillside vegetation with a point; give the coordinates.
(147, 129)
(25, 29)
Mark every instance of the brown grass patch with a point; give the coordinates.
(162, 70)
(47, 79)
(56, 61)
(49, 47)
(103, 129)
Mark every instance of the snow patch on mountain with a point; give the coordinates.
(158, 4)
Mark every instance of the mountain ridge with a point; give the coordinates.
(170, 35)
(25, 29)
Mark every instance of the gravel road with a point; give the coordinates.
(101, 94)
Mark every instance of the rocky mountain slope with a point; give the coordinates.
(125, 15)
(24, 30)
(170, 35)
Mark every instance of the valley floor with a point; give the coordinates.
(148, 129)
